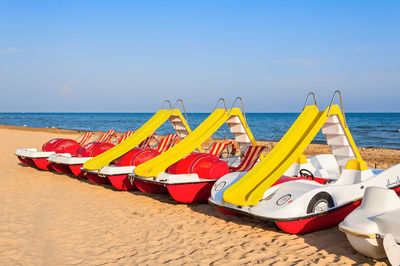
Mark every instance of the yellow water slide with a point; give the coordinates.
(159, 118)
(211, 124)
(250, 189)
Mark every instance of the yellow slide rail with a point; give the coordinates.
(211, 124)
(250, 189)
(133, 141)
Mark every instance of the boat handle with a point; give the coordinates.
(308, 97)
(169, 103)
(183, 107)
(244, 113)
(277, 138)
(341, 105)
(220, 100)
(223, 131)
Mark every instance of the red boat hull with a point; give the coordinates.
(321, 222)
(56, 145)
(76, 170)
(191, 193)
(95, 178)
(26, 161)
(229, 212)
(42, 163)
(122, 182)
(151, 188)
(60, 168)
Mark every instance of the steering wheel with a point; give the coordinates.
(306, 173)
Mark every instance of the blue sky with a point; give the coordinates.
(128, 56)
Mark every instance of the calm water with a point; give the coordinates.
(368, 129)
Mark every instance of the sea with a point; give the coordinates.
(368, 129)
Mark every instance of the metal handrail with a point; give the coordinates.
(166, 101)
(244, 113)
(341, 105)
(183, 107)
(219, 100)
(220, 129)
(270, 146)
(226, 136)
(308, 97)
(272, 140)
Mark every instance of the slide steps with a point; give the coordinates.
(336, 138)
(237, 128)
(179, 126)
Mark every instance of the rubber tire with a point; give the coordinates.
(319, 197)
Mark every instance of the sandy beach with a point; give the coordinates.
(49, 218)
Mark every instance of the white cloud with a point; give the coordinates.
(66, 91)
(298, 62)
(9, 50)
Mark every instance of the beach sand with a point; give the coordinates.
(49, 218)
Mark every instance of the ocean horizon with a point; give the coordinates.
(380, 130)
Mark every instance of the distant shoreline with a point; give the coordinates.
(50, 130)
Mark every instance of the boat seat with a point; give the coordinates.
(356, 171)
(326, 165)
(249, 160)
(168, 142)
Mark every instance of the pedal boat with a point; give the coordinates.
(304, 206)
(373, 228)
(33, 157)
(69, 163)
